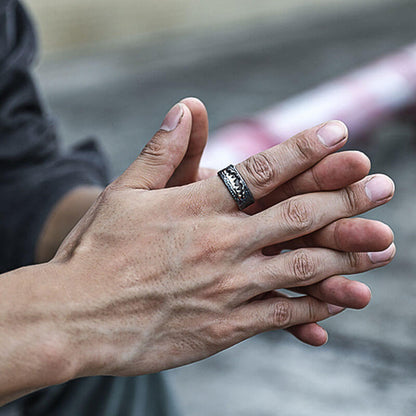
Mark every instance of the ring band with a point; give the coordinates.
(237, 187)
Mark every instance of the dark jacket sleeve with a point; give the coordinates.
(34, 172)
(34, 175)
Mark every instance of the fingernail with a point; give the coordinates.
(334, 309)
(382, 256)
(379, 187)
(332, 133)
(327, 338)
(172, 118)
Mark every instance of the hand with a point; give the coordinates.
(156, 278)
(335, 171)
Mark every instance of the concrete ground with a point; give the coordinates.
(369, 365)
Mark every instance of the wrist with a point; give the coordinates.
(61, 358)
(36, 348)
(72, 352)
(81, 347)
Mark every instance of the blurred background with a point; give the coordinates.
(112, 70)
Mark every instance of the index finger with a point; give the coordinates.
(267, 170)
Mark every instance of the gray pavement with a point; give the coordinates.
(369, 365)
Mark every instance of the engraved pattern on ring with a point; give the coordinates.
(237, 186)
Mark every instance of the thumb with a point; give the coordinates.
(162, 155)
(188, 170)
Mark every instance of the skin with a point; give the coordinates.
(63, 217)
(333, 172)
(163, 270)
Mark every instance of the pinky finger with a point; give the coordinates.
(311, 334)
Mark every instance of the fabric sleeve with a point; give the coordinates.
(34, 175)
(34, 171)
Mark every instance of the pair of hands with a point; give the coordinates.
(164, 270)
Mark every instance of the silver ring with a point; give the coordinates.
(237, 187)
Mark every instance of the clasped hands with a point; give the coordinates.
(164, 270)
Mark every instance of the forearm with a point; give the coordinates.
(34, 346)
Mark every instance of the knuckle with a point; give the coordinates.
(261, 169)
(311, 310)
(303, 146)
(350, 199)
(298, 215)
(281, 314)
(353, 260)
(303, 266)
(218, 333)
(212, 248)
(109, 194)
(154, 148)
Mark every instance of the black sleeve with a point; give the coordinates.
(34, 172)
(34, 175)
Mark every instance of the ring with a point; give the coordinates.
(237, 187)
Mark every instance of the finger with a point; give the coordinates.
(267, 170)
(283, 313)
(188, 169)
(308, 266)
(205, 173)
(346, 234)
(311, 334)
(162, 155)
(339, 290)
(304, 214)
(335, 171)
